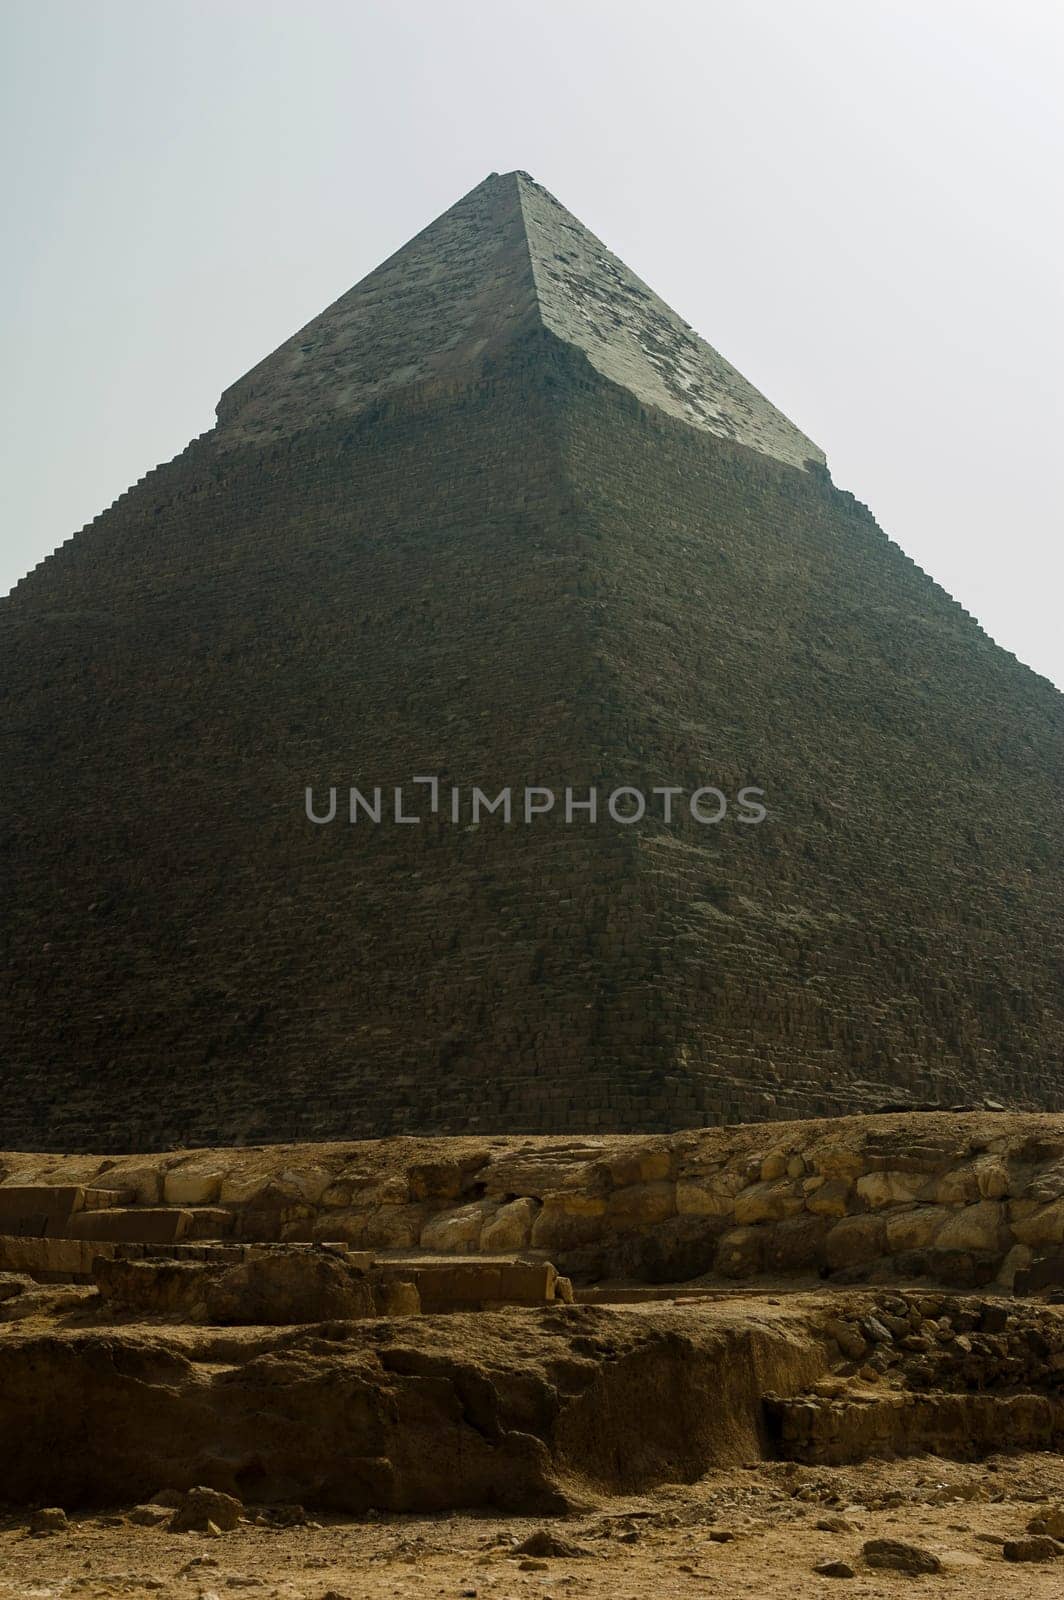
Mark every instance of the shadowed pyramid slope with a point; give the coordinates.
(505, 520)
(506, 258)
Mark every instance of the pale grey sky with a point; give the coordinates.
(856, 201)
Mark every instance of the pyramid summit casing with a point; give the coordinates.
(498, 516)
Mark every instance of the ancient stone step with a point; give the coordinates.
(210, 1222)
(139, 1224)
(473, 1285)
(961, 1427)
(39, 1200)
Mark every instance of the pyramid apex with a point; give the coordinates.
(503, 260)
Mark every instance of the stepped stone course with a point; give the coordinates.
(506, 520)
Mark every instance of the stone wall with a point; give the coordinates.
(960, 1200)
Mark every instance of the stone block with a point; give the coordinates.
(768, 1202)
(567, 1221)
(210, 1222)
(104, 1199)
(974, 1227)
(342, 1227)
(304, 1184)
(145, 1183)
(1038, 1225)
(702, 1198)
(878, 1189)
(39, 1199)
(392, 1227)
(916, 1228)
(1016, 1260)
(992, 1176)
(192, 1186)
(511, 1226)
(640, 1205)
(959, 1187)
(270, 1288)
(528, 1282)
(135, 1225)
(794, 1245)
(854, 1241)
(739, 1254)
(242, 1188)
(453, 1286)
(458, 1231)
(838, 1161)
(640, 1166)
(833, 1198)
(64, 1258)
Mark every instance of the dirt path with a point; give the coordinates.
(750, 1532)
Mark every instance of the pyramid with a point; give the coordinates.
(500, 519)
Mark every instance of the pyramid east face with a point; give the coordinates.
(593, 301)
(499, 518)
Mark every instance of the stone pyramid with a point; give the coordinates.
(499, 518)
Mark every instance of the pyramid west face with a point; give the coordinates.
(506, 259)
(437, 309)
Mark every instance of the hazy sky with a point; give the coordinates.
(856, 201)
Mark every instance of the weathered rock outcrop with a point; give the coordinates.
(415, 1414)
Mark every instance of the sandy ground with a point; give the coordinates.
(749, 1532)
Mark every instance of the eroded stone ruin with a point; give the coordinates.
(895, 1242)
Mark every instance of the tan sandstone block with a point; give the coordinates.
(456, 1231)
(511, 1226)
(916, 1229)
(975, 1227)
(832, 1198)
(308, 1183)
(1018, 1259)
(144, 1183)
(696, 1199)
(739, 1252)
(855, 1240)
(960, 1187)
(992, 1177)
(568, 1221)
(528, 1282)
(640, 1166)
(641, 1205)
(1042, 1225)
(768, 1202)
(242, 1188)
(392, 1227)
(192, 1186)
(132, 1225)
(341, 1227)
(838, 1161)
(773, 1166)
(879, 1189)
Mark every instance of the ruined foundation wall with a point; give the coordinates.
(965, 1200)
